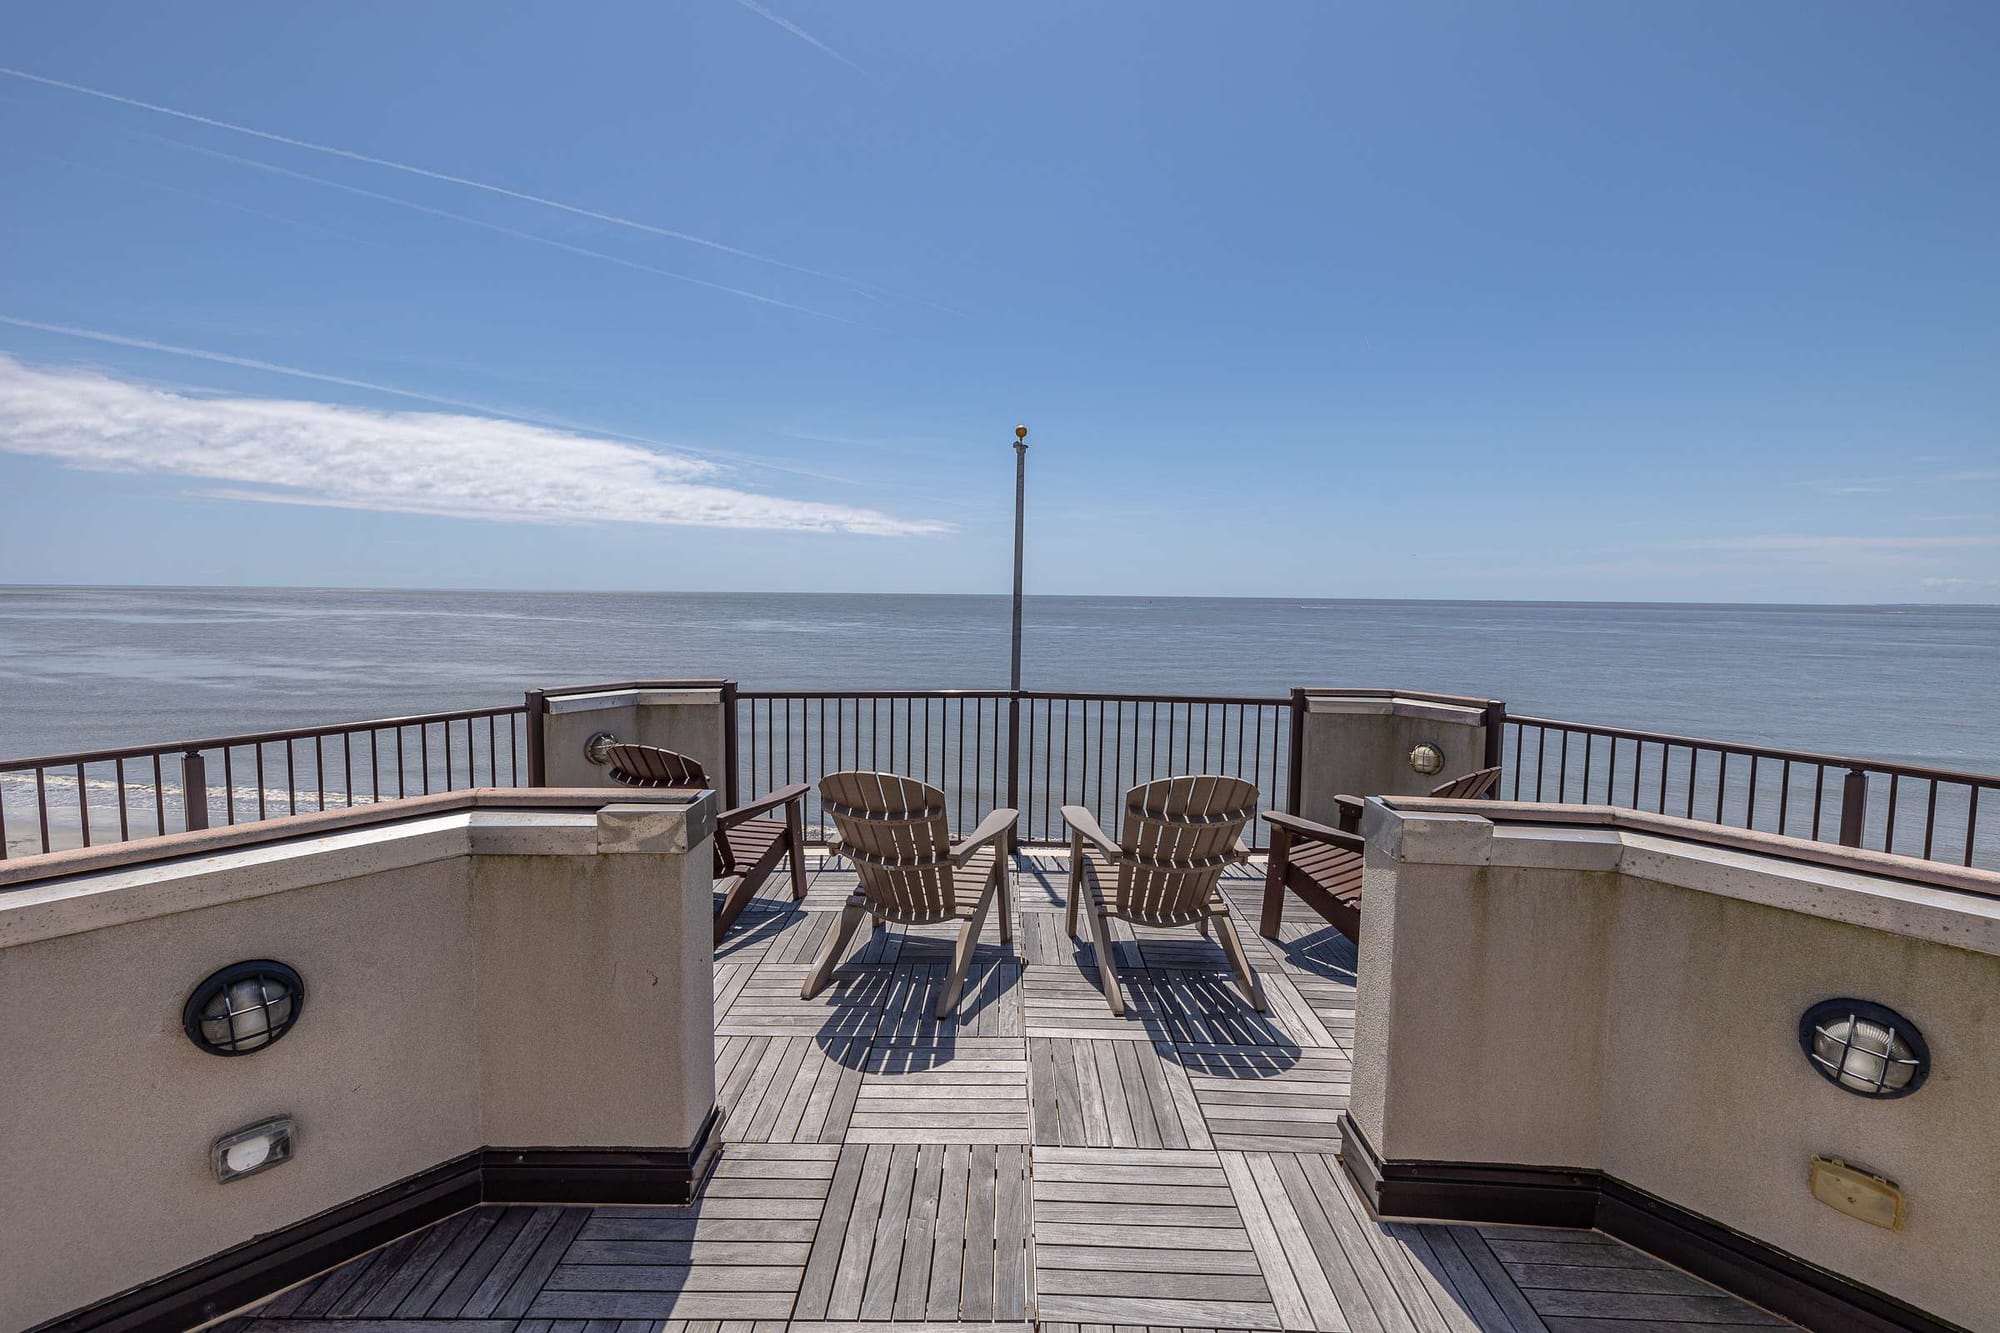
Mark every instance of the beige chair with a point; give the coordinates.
(893, 830)
(1179, 835)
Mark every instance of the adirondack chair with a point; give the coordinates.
(1179, 835)
(1323, 865)
(747, 846)
(893, 830)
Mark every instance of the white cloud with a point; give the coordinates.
(447, 464)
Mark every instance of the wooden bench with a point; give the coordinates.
(747, 846)
(1322, 865)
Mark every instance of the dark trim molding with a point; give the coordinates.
(1760, 1273)
(263, 1267)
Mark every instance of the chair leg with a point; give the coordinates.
(1246, 975)
(795, 838)
(1075, 893)
(1107, 966)
(851, 913)
(961, 959)
(1006, 890)
(1275, 870)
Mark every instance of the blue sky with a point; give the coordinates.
(1690, 301)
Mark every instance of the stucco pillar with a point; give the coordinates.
(690, 717)
(1361, 742)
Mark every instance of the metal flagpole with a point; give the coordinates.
(1014, 672)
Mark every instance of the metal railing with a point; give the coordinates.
(52, 802)
(1033, 750)
(1904, 809)
(1036, 750)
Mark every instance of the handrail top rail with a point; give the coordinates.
(1091, 696)
(253, 738)
(1823, 760)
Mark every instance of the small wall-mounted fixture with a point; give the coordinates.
(244, 1007)
(254, 1148)
(598, 748)
(1426, 757)
(1869, 1050)
(1850, 1190)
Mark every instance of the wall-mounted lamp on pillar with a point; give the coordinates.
(1864, 1048)
(1426, 757)
(244, 1007)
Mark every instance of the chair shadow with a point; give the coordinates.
(1325, 953)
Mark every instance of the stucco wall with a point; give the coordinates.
(1630, 1004)
(484, 978)
(686, 719)
(1358, 743)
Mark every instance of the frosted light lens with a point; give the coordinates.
(247, 1155)
(1872, 1059)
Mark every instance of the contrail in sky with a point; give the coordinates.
(427, 173)
(797, 32)
(504, 231)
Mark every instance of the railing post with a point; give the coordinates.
(729, 797)
(1853, 807)
(194, 790)
(1496, 735)
(535, 719)
(1295, 768)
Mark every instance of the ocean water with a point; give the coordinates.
(98, 667)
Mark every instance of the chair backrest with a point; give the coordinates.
(893, 829)
(1471, 787)
(650, 766)
(1178, 836)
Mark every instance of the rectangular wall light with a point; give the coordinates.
(254, 1148)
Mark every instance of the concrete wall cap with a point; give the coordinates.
(602, 699)
(220, 870)
(1430, 839)
(1700, 858)
(1395, 705)
(631, 827)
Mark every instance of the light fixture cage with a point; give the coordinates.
(244, 1008)
(1427, 758)
(1864, 1048)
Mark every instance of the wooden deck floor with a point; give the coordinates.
(1034, 1160)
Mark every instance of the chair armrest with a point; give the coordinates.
(1349, 810)
(1241, 851)
(1084, 825)
(1311, 832)
(783, 796)
(996, 825)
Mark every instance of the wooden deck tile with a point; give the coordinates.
(738, 1253)
(989, 1006)
(787, 1089)
(1260, 1098)
(1144, 1235)
(1105, 1094)
(769, 1004)
(954, 1090)
(922, 1232)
